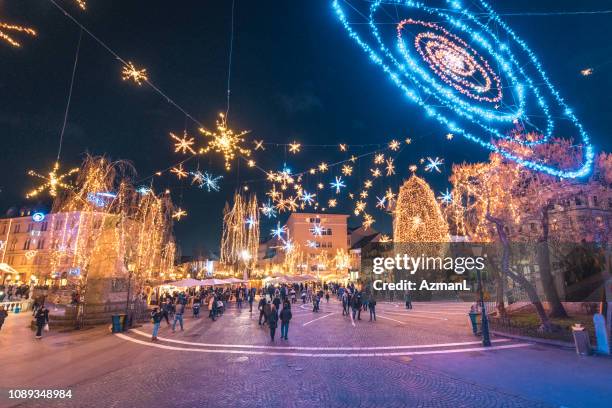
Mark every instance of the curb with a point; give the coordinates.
(557, 343)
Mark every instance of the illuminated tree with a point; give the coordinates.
(240, 238)
(417, 215)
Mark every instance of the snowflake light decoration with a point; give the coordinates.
(225, 141)
(394, 145)
(434, 164)
(295, 147)
(368, 220)
(446, 197)
(279, 231)
(179, 213)
(130, 72)
(179, 171)
(211, 182)
(390, 167)
(268, 210)
(250, 222)
(183, 144)
(381, 202)
(338, 184)
(52, 182)
(307, 198)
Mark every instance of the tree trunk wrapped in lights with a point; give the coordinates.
(240, 238)
(417, 215)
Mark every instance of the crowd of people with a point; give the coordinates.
(274, 304)
(10, 293)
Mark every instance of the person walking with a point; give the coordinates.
(42, 320)
(273, 321)
(178, 316)
(165, 311)
(250, 299)
(239, 298)
(3, 316)
(356, 306)
(345, 304)
(261, 307)
(372, 306)
(327, 296)
(408, 301)
(156, 316)
(277, 302)
(285, 317)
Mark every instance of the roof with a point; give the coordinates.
(365, 241)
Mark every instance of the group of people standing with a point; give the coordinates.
(355, 301)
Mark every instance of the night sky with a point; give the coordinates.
(296, 75)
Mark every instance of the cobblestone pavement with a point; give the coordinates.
(420, 358)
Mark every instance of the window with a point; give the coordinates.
(17, 228)
(30, 227)
(12, 245)
(26, 244)
(578, 201)
(43, 226)
(11, 260)
(58, 225)
(595, 203)
(40, 244)
(3, 231)
(314, 220)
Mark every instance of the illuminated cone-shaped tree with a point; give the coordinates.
(417, 215)
(240, 239)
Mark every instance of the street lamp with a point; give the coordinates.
(486, 338)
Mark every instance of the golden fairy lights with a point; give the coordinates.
(417, 215)
(179, 171)
(5, 28)
(294, 147)
(130, 72)
(240, 238)
(225, 141)
(53, 181)
(179, 213)
(82, 4)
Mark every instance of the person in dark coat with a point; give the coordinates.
(356, 306)
(156, 317)
(273, 321)
(285, 317)
(3, 315)
(372, 306)
(42, 318)
(261, 306)
(277, 302)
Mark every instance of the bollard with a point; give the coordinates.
(473, 317)
(581, 340)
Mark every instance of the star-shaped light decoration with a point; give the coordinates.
(210, 182)
(225, 141)
(4, 27)
(384, 239)
(311, 244)
(413, 168)
(390, 195)
(312, 171)
(360, 206)
(363, 194)
(130, 72)
(179, 213)
(197, 177)
(268, 210)
(259, 145)
(82, 4)
(347, 170)
(332, 203)
(323, 167)
(179, 171)
(434, 164)
(446, 197)
(408, 140)
(379, 158)
(338, 184)
(183, 144)
(376, 172)
(288, 245)
(343, 147)
(291, 204)
(367, 184)
(308, 198)
(586, 72)
(449, 136)
(390, 168)
(279, 231)
(251, 163)
(320, 186)
(368, 220)
(381, 202)
(317, 230)
(394, 145)
(353, 158)
(52, 182)
(295, 147)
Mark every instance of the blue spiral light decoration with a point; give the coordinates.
(467, 69)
